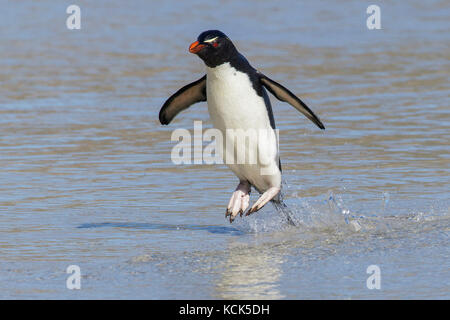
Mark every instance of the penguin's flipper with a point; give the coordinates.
(182, 99)
(283, 94)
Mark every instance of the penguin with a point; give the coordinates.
(237, 99)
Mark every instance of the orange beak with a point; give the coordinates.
(195, 47)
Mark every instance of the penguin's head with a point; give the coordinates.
(213, 47)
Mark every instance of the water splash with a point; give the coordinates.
(337, 213)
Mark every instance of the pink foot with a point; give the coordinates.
(265, 197)
(239, 201)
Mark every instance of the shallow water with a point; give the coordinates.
(87, 177)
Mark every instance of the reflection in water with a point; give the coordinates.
(159, 226)
(250, 272)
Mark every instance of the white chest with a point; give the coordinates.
(234, 104)
(232, 101)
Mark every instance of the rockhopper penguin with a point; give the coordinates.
(237, 100)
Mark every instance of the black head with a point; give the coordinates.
(214, 48)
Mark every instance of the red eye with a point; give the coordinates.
(215, 44)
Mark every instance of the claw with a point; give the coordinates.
(265, 197)
(239, 201)
(244, 203)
